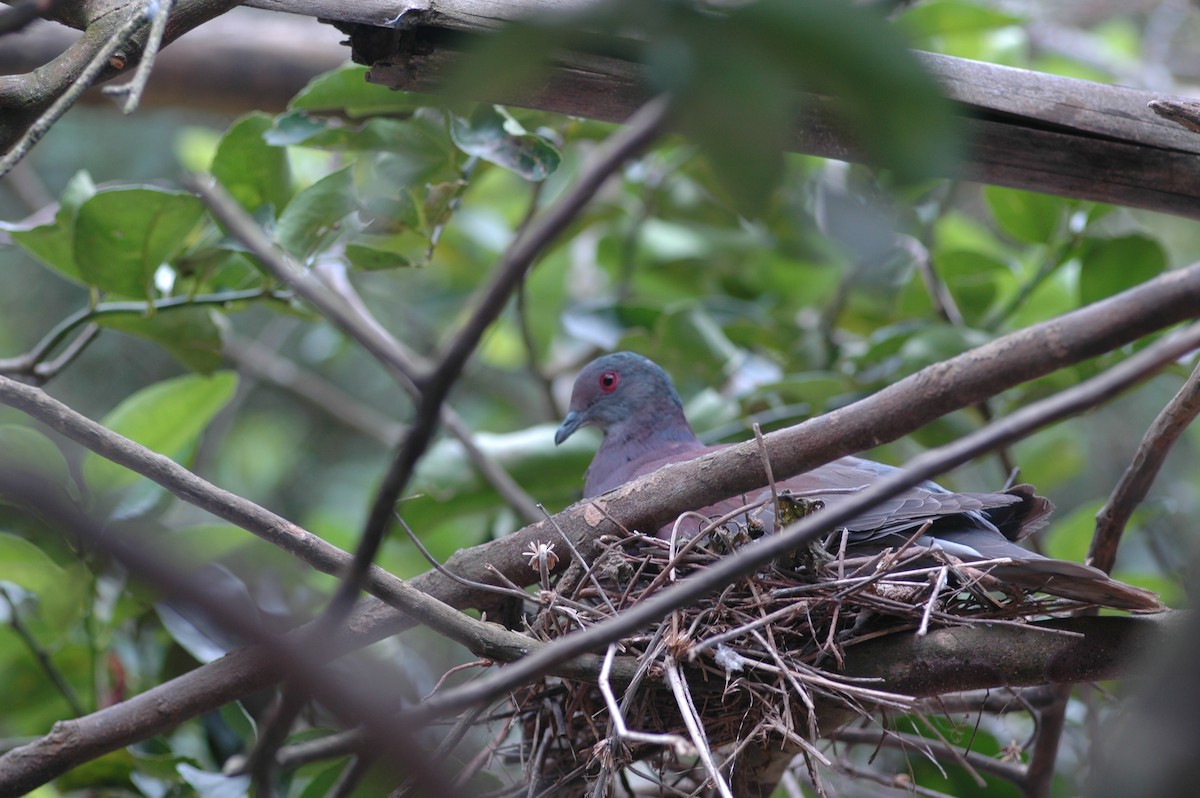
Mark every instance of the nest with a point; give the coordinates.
(756, 667)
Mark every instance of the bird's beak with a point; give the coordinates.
(569, 425)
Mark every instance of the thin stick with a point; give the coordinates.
(683, 698)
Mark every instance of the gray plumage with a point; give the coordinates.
(634, 404)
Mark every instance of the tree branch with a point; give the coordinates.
(1140, 475)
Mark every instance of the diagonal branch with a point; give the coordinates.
(1140, 475)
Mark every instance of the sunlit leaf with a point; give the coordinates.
(485, 134)
(1025, 215)
(166, 417)
(253, 172)
(316, 215)
(60, 593)
(940, 17)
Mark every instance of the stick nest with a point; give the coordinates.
(756, 666)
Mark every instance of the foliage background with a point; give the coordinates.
(776, 315)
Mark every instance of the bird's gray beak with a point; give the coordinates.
(569, 425)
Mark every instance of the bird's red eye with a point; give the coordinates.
(608, 381)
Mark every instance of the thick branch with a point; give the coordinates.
(1026, 129)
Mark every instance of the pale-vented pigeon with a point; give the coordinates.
(633, 402)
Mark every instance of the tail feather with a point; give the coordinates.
(1077, 582)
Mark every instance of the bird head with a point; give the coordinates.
(621, 389)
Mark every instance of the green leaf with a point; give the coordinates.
(974, 280)
(123, 235)
(252, 170)
(167, 417)
(1070, 536)
(346, 89)
(1024, 215)
(60, 594)
(316, 215)
(498, 139)
(422, 138)
(1111, 265)
(54, 244)
(1051, 457)
(207, 542)
(941, 17)
(110, 770)
(376, 253)
(190, 334)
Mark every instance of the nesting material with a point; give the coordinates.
(757, 665)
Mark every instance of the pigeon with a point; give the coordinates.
(635, 405)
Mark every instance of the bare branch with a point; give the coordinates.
(1140, 475)
(95, 65)
(643, 128)
(30, 364)
(132, 91)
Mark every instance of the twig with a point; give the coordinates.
(579, 559)
(522, 309)
(691, 719)
(331, 746)
(893, 739)
(766, 461)
(28, 362)
(41, 656)
(132, 91)
(642, 128)
(680, 745)
(1140, 474)
(511, 591)
(48, 370)
(895, 411)
(1039, 774)
(952, 751)
(938, 584)
(354, 772)
(87, 76)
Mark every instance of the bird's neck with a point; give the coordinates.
(631, 450)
